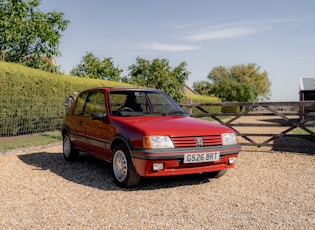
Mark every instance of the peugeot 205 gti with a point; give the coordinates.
(144, 133)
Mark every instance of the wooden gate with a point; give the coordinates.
(259, 124)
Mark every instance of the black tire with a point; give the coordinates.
(123, 170)
(218, 174)
(69, 152)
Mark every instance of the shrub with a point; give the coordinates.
(201, 99)
(231, 109)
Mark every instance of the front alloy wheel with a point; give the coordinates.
(123, 169)
(120, 166)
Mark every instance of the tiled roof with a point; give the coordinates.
(307, 84)
(188, 90)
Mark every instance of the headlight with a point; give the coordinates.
(228, 139)
(157, 142)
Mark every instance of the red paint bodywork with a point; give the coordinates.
(98, 137)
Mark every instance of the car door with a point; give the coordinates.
(76, 122)
(91, 124)
(95, 124)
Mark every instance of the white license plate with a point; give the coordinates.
(201, 157)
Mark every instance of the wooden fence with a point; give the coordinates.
(285, 125)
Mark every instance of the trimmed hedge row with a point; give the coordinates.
(27, 115)
(33, 101)
(200, 99)
(30, 97)
(23, 81)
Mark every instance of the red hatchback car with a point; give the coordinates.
(144, 133)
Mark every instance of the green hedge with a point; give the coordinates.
(26, 115)
(23, 81)
(231, 109)
(33, 101)
(201, 99)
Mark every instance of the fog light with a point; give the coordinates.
(232, 160)
(158, 166)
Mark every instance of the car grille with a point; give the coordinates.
(181, 142)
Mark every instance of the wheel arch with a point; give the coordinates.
(65, 130)
(121, 139)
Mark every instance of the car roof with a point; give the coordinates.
(122, 88)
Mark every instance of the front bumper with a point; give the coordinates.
(172, 160)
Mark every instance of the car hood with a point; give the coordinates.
(173, 126)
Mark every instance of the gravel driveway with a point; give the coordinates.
(265, 190)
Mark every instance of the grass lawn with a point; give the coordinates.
(301, 131)
(30, 140)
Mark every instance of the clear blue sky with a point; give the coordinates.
(277, 35)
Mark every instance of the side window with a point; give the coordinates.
(80, 104)
(95, 103)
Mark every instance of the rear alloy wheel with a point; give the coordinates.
(123, 170)
(69, 152)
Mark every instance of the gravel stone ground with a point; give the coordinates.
(265, 190)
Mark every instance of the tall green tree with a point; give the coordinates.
(92, 67)
(244, 83)
(231, 90)
(29, 36)
(158, 74)
(202, 87)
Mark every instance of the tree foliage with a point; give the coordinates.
(158, 74)
(202, 87)
(242, 83)
(27, 34)
(231, 90)
(92, 67)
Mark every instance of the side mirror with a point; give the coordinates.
(98, 116)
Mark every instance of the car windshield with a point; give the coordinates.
(139, 103)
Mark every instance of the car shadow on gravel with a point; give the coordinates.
(295, 145)
(93, 172)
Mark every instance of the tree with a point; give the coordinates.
(28, 36)
(92, 67)
(242, 83)
(202, 87)
(231, 90)
(158, 74)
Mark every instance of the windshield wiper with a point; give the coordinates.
(133, 114)
(175, 112)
